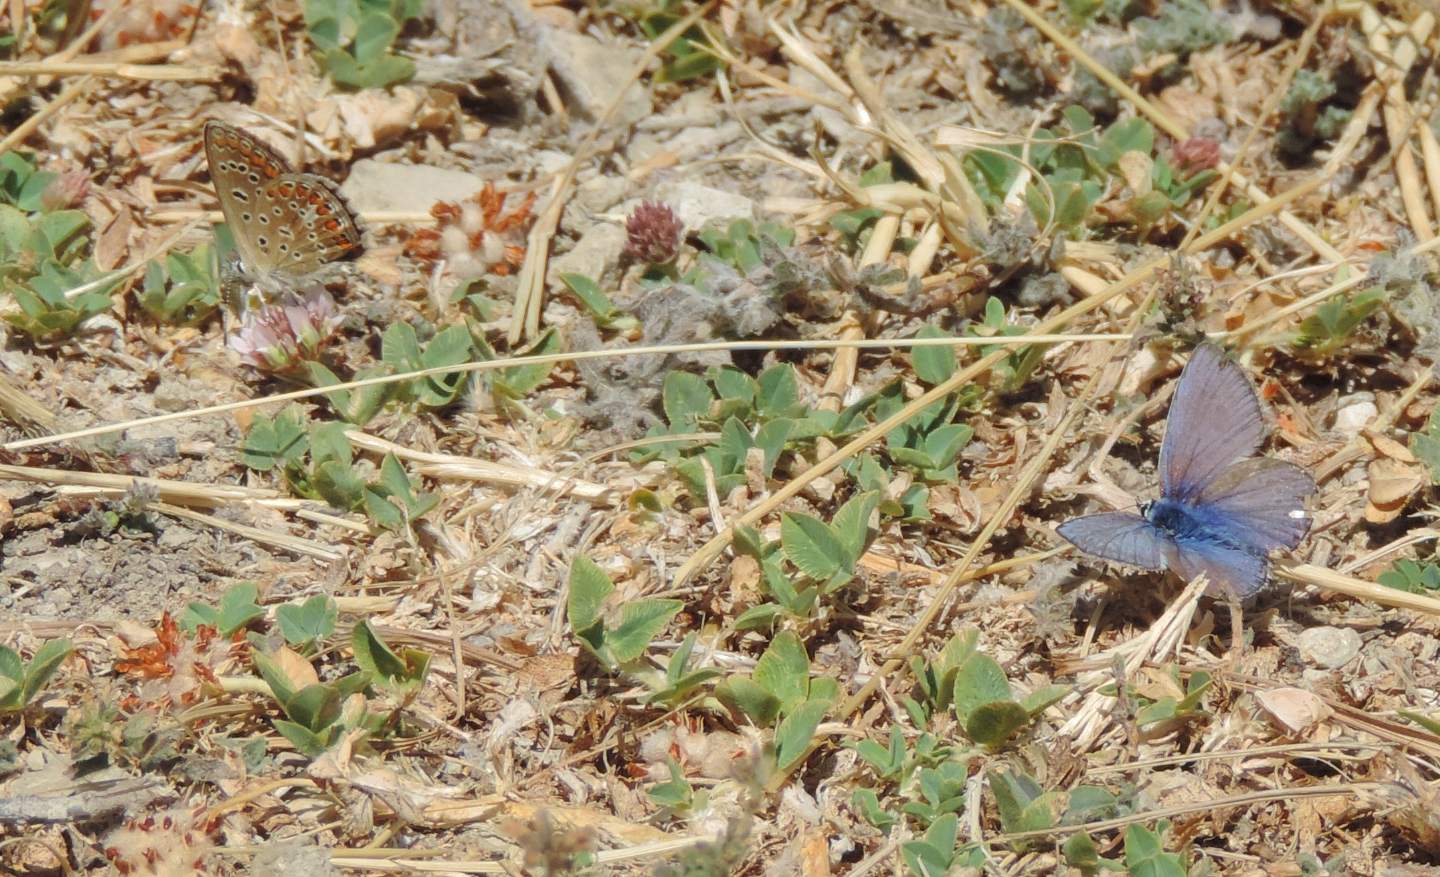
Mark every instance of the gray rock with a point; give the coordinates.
(698, 205)
(592, 73)
(597, 252)
(1328, 647)
(375, 186)
(600, 193)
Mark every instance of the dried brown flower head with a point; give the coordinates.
(653, 233)
(1196, 154)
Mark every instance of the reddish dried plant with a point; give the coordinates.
(1196, 154)
(175, 842)
(475, 236)
(176, 665)
(147, 21)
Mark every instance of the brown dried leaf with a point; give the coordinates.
(1293, 710)
(1392, 483)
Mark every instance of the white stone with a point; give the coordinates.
(698, 205)
(375, 186)
(1328, 647)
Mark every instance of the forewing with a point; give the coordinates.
(240, 166)
(1258, 504)
(1228, 570)
(1215, 421)
(1120, 537)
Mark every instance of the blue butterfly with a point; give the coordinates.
(1221, 510)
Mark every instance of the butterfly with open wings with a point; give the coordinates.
(1221, 510)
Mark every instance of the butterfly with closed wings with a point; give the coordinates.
(287, 226)
(1221, 510)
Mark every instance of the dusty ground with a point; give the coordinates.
(866, 145)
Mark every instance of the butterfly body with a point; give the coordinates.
(1180, 520)
(288, 227)
(1221, 510)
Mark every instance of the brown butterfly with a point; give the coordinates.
(287, 226)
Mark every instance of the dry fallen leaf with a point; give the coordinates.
(1392, 483)
(1293, 710)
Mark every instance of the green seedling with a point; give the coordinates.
(510, 385)
(927, 778)
(183, 289)
(1160, 715)
(1182, 27)
(1011, 373)
(821, 559)
(740, 244)
(912, 505)
(275, 443)
(357, 406)
(317, 714)
(983, 701)
(932, 855)
(935, 679)
(236, 610)
(1145, 852)
(1411, 577)
(1089, 804)
(328, 471)
(401, 674)
(318, 463)
(930, 442)
(21, 680)
(42, 269)
(1023, 805)
(781, 689)
(763, 413)
(22, 185)
(1425, 445)
(867, 803)
(394, 500)
(685, 57)
(601, 309)
(304, 625)
(355, 38)
(616, 639)
(1079, 164)
(676, 795)
(1330, 327)
(679, 683)
(1305, 116)
(401, 350)
(855, 224)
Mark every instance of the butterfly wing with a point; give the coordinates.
(1228, 570)
(1257, 504)
(239, 166)
(305, 224)
(282, 221)
(1120, 537)
(1215, 421)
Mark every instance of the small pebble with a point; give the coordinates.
(1329, 647)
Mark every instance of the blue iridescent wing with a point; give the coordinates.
(1215, 421)
(1258, 504)
(1228, 570)
(1119, 536)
